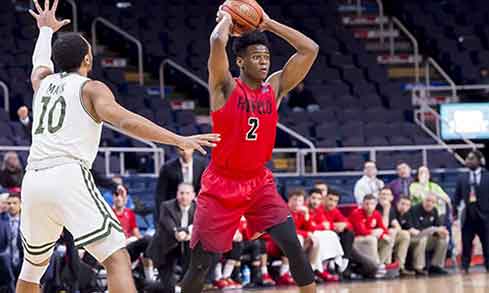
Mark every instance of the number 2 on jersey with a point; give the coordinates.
(51, 128)
(254, 123)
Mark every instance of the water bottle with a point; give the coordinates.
(246, 275)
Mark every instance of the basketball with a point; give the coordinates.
(247, 14)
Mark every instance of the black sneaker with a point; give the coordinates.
(437, 271)
(421, 273)
(407, 273)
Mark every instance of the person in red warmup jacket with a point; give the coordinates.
(371, 235)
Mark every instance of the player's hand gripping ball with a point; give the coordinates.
(247, 15)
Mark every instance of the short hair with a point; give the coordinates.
(249, 39)
(405, 197)
(369, 197)
(186, 184)
(314, 190)
(68, 52)
(478, 154)
(368, 161)
(386, 188)
(297, 192)
(333, 193)
(14, 195)
(399, 163)
(320, 183)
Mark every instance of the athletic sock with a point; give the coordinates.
(218, 272)
(149, 273)
(284, 269)
(228, 269)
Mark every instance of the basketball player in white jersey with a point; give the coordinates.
(58, 190)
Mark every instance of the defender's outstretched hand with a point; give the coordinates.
(198, 142)
(47, 17)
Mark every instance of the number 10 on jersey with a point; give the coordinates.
(254, 123)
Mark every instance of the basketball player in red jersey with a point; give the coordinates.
(236, 183)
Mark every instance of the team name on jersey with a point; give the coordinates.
(56, 89)
(257, 107)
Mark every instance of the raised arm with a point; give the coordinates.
(101, 104)
(220, 80)
(298, 65)
(47, 23)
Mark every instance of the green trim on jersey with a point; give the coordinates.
(108, 223)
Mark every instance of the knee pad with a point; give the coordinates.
(32, 273)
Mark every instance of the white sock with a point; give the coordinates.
(264, 270)
(149, 273)
(228, 269)
(218, 272)
(284, 269)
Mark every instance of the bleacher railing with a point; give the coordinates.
(430, 62)
(373, 152)
(74, 12)
(6, 96)
(158, 155)
(395, 22)
(126, 35)
(380, 5)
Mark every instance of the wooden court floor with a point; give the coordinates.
(455, 283)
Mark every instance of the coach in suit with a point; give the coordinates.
(174, 230)
(186, 168)
(473, 189)
(7, 278)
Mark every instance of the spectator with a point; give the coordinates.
(405, 220)
(7, 279)
(326, 244)
(433, 236)
(400, 186)
(371, 236)
(340, 224)
(12, 171)
(171, 241)
(401, 237)
(321, 185)
(15, 242)
(117, 186)
(25, 120)
(186, 168)
(484, 79)
(473, 189)
(369, 183)
(136, 243)
(423, 186)
(3, 205)
(302, 99)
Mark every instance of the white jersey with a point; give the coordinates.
(62, 129)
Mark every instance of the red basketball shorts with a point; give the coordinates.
(224, 199)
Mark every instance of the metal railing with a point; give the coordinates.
(6, 96)
(205, 85)
(381, 20)
(181, 69)
(107, 152)
(373, 151)
(396, 22)
(420, 120)
(157, 159)
(74, 12)
(431, 62)
(126, 35)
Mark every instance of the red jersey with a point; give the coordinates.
(335, 216)
(247, 124)
(364, 224)
(128, 221)
(318, 221)
(301, 225)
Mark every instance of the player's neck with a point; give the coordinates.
(253, 84)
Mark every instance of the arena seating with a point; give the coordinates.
(452, 31)
(360, 106)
